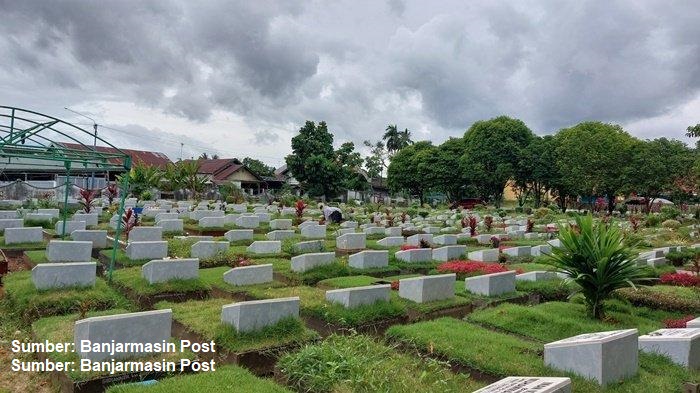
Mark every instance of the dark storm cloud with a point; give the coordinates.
(433, 67)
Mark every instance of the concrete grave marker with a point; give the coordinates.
(235, 235)
(146, 234)
(369, 259)
(24, 235)
(428, 288)
(265, 247)
(448, 253)
(305, 262)
(359, 296)
(313, 232)
(529, 385)
(491, 284)
(206, 249)
(257, 314)
(281, 223)
(351, 241)
(682, 346)
(165, 270)
(147, 250)
(486, 255)
(391, 241)
(70, 227)
(249, 275)
(69, 251)
(607, 357)
(98, 238)
(280, 234)
(64, 275)
(415, 255)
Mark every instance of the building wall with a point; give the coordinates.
(242, 175)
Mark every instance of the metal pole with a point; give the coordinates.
(65, 199)
(94, 145)
(120, 214)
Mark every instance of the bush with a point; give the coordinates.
(680, 258)
(519, 209)
(663, 297)
(146, 196)
(670, 213)
(597, 259)
(652, 221)
(671, 224)
(470, 268)
(680, 279)
(423, 213)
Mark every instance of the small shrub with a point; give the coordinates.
(423, 213)
(495, 242)
(488, 223)
(680, 279)
(652, 221)
(680, 323)
(470, 268)
(680, 258)
(671, 224)
(670, 213)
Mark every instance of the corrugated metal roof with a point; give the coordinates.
(137, 156)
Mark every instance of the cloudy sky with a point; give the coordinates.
(238, 78)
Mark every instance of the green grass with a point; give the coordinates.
(214, 278)
(231, 378)
(501, 355)
(60, 329)
(32, 303)
(22, 246)
(348, 282)
(530, 267)
(203, 318)
(309, 277)
(122, 259)
(132, 279)
(555, 320)
(548, 290)
(359, 364)
(665, 297)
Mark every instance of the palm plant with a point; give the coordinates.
(595, 258)
(143, 177)
(189, 176)
(392, 138)
(405, 138)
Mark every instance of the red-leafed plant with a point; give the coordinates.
(680, 323)
(299, 206)
(130, 220)
(530, 225)
(495, 242)
(635, 221)
(87, 199)
(395, 285)
(406, 247)
(112, 192)
(404, 217)
(680, 279)
(473, 268)
(488, 223)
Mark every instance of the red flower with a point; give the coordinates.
(395, 285)
(678, 323)
(470, 267)
(409, 247)
(680, 279)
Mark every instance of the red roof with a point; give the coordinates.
(137, 156)
(220, 168)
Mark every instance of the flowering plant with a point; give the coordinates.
(471, 268)
(680, 323)
(680, 279)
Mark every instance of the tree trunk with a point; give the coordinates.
(611, 202)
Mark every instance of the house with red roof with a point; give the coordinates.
(219, 171)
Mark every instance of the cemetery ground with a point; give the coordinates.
(423, 299)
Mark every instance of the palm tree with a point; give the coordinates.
(203, 156)
(405, 139)
(189, 178)
(392, 138)
(595, 258)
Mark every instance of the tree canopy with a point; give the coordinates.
(258, 167)
(410, 170)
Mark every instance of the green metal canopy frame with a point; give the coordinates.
(31, 138)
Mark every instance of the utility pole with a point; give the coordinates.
(94, 144)
(181, 145)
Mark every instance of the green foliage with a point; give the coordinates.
(313, 161)
(594, 157)
(669, 213)
(232, 193)
(234, 378)
(652, 220)
(395, 139)
(357, 363)
(142, 177)
(671, 224)
(596, 259)
(258, 167)
(680, 258)
(493, 150)
(411, 171)
(657, 164)
(664, 297)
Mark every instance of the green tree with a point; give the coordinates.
(313, 161)
(693, 131)
(657, 165)
(410, 169)
(143, 178)
(350, 163)
(258, 167)
(493, 149)
(537, 171)
(395, 139)
(375, 163)
(188, 172)
(593, 158)
(442, 164)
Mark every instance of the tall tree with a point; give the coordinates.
(593, 157)
(375, 163)
(493, 149)
(405, 138)
(204, 156)
(392, 137)
(258, 167)
(443, 164)
(350, 163)
(410, 169)
(536, 171)
(693, 131)
(313, 161)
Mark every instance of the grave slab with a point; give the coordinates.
(174, 225)
(428, 288)
(309, 246)
(529, 385)
(523, 251)
(607, 357)
(69, 251)
(257, 314)
(97, 237)
(235, 235)
(351, 241)
(139, 327)
(448, 253)
(281, 223)
(539, 275)
(165, 270)
(313, 232)
(90, 219)
(305, 262)
(445, 240)
(369, 259)
(64, 275)
(359, 296)
(414, 240)
(280, 234)
(249, 275)
(70, 227)
(415, 255)
(391, 241)
(146, 234)
(265, 247)
(491, 284)
(147, 250)
(248, 222)
(486, 255)
(206, 249)
(682, 346)
(24, 235)
(540, 250)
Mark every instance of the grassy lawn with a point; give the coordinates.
(60, 329)
(502, 355)
(22, 246)
(548, 290)
(530, 267)
(233, 378)
(122, 259)
(555, 320)
(204, 318)
(32, 303)
(132, 279)
(214, 278)
(665, 297)
(360, 364)
(283, 266)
